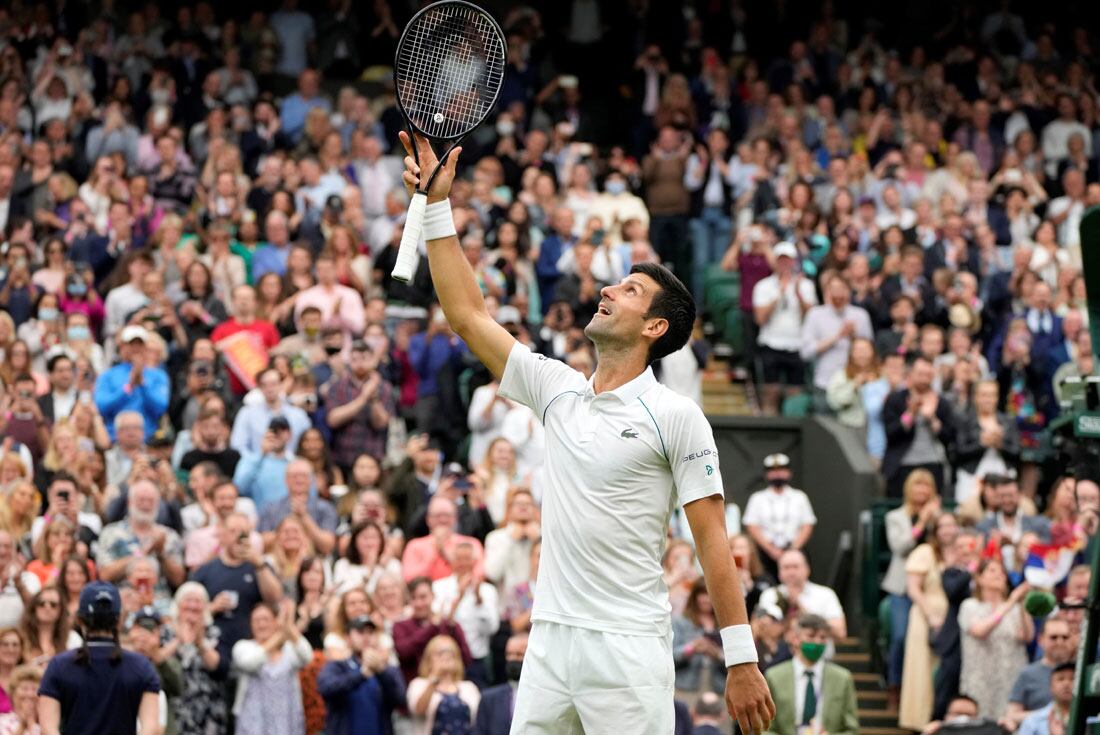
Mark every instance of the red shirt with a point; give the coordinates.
(263, 329)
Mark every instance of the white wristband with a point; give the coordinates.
(438, 222)
(738, 645)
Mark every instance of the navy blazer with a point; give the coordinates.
(494, 713)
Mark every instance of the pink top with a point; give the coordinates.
(422, 559)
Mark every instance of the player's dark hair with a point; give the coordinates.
(673, 302)
(101, 623)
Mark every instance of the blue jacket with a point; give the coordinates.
(150, 399)
(428, 358)
(261, 477)
(358, 705)
(494, 712)
(546, 267)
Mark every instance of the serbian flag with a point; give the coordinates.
(1047, 565)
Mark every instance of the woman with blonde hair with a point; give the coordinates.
(754, 577)
(291, 547)
(923, 570)
(62, 453)
(12, 647)
(679, 572)
(56, 542)
(906, 528)
(440, 699)
(18, 506)
(352, 266)
(499, 471)
(846, 389)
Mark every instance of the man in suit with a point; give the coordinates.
(911, 281)
(706, 715)
(59, 402)
(1045, 327)
(494, 713)
(809, 691)
(1007, 518)
(919, 429)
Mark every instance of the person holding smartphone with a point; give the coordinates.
(236, 581)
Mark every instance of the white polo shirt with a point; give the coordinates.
(616, 466)
(780, 515)
(783, 330)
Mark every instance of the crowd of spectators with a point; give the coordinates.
(321, 514)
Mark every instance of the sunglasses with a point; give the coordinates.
(48, 603)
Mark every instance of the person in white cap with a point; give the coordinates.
(134, 384)
(779, 302)
(779, 517)
(621, 452)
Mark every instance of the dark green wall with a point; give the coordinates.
(829, 464)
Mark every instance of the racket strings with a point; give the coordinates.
(449, 70)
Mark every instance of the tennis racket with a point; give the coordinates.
(447, 73)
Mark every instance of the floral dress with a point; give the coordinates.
(201, 709)
(990, 665)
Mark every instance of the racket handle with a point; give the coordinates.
(407, 254)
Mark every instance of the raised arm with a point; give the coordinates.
(452, 275)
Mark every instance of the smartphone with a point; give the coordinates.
(63, 495)
(740, 561)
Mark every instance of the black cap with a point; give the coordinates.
(279, 423)
(147, 617)
(361, 622)
(1067, 666)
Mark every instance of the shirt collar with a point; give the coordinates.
(800, 670)
(627, 392)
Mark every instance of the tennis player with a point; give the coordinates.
(621, 450)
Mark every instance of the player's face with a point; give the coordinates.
(620, 318)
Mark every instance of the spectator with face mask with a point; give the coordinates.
(809, 691)
(780, 517)
(494, 711)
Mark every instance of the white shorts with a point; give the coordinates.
(587, 682)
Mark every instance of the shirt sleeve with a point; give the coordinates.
(692, 453)
(50, 685)
(806, 512)
(753, 510)
(536, 380)
(150, 681)
(762, 293)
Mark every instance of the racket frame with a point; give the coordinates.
(405, 258)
